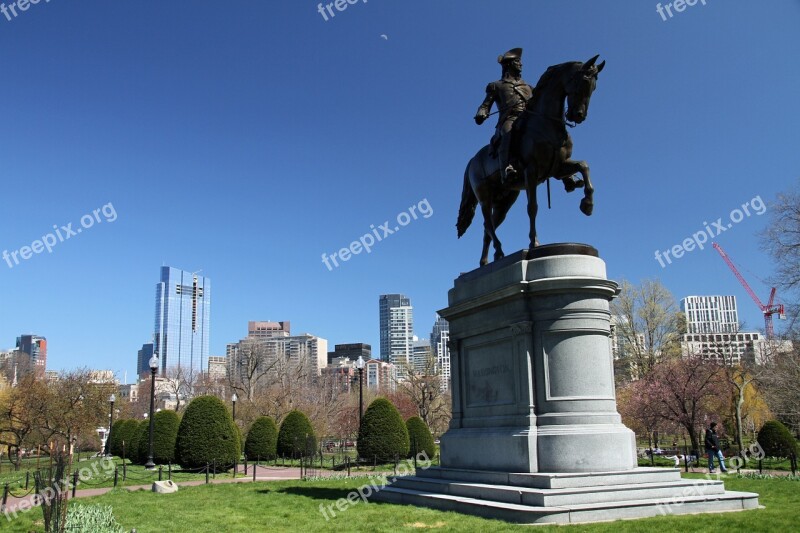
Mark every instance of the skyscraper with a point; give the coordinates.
(440, 337)
(143, 359)
(183, 314)
(710, 314)
(396, 328)
(270, 346)
(36, 347)
(351, 351)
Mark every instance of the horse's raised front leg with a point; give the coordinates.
(570, 167)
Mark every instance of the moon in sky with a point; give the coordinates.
(385, 37)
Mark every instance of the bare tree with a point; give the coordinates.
(422, 383)
(253, 361)
(179, 382)
(648, 327)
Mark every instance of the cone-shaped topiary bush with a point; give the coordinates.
(122, 430)
(296, 437)
(206, 434)
(262, 439)
(777, 440)
(165, 433)
(142, 441)
(420, 438)
(383, 434)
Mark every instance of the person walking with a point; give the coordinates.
(712, 448)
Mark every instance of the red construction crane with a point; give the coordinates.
(768, 310)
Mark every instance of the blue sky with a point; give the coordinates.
(246, 139)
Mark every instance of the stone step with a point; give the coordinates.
(526, 514)
(559, 497)
(554, 481)
(727, 501)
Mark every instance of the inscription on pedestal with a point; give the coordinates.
(489, 375)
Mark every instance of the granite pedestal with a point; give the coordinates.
(535, 434)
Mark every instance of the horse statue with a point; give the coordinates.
(543, 148)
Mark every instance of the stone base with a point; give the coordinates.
(505, 449)
(564, 498)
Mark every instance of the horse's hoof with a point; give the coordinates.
(570, 184)
(587, 206)
(499, 255)
(484, 262)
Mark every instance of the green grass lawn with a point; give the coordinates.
(294, 506)
(99, 473)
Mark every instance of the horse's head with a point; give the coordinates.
(580, 87)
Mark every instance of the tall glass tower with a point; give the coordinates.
(183, 314)
(396, 327)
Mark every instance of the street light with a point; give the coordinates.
(111, 400)
(150, 465)
(233, 399)
(360, 367)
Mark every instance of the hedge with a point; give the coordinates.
(207, 434)
(262, 439)
(383, 435)
(296, 437)
(420, 438)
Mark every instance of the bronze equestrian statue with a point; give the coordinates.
(542, 147)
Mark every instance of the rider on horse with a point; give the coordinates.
(510, 94)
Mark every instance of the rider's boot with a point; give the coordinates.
(508, 173)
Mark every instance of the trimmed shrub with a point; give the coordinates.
(777, 440)
(262, 439)
(206, 434)
(115, 442)
(296, 437)
(126, 432)
(420, 438)
(165, 433)
(383, 434)
(142, 441)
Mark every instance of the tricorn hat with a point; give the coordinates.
(514, 53)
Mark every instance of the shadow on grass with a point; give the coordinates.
(316, 493)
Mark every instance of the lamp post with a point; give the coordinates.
(233, 399)
(360, 367)
(111, 400)
(150, 465)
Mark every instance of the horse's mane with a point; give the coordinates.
(546, 79)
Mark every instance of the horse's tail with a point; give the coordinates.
(468, 203)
